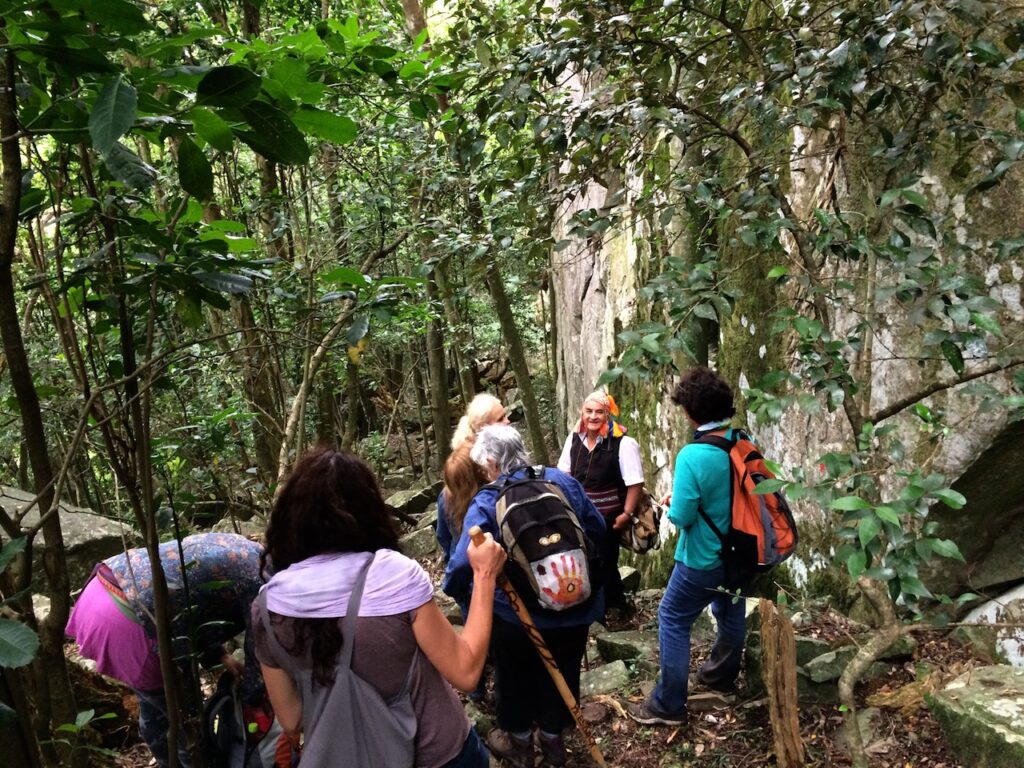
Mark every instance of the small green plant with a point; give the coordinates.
(375, 452)
(83, 721)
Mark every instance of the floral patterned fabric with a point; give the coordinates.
(210, 597)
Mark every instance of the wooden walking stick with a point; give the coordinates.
(477, 537)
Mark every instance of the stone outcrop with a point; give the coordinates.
(88, 537)
(1007, 641)
(982, 716)
(414, 501)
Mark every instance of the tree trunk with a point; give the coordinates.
(354, 404)
(517, 356)
(55, 699)
(421, 406)
(459, 343)
(778, 655)
(438, 367)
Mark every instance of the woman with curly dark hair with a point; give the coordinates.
(700, 493)
(333, 546)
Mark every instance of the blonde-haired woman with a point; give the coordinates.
(462, 479)
(483, 410)
(606, 461)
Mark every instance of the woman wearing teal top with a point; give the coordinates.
(701, 482)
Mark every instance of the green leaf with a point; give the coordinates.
(987, 323)
(113, 114)
(18, 644)
(84, 717)
(273, 134)
(776, 272)
(947, 548)
(115, 15)
(953, 356)
(769, 486)
(359, 328)
(213, 129)
(888, 514)
(225, 282)
(911, 585)
(950, 498)
(230, 86)
(849, 503)
(868, 529)
(77, 60)
(338, 129)
(125, 166)
(346, 276)
(856, 563)
(7, 715)
(11, 550)
(194, 170)
(607, 377)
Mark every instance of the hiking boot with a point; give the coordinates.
(646, 714)
(552, 749)
(699, 685)
(511, 749)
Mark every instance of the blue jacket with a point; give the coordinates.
(458, 578)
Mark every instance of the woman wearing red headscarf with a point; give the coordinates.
(606, 462)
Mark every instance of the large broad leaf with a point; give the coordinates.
(76, 60)
(7, 715)
(128, 168)
(328, 126)
(273, 134)
(230, 86)
(194, 170)
(213, 129)
(18, 644)
(11, 550)
(115, 15)
(113, 114)
(225, 282)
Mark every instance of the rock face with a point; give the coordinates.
(604, 679)
(88, 537)
(415, 500)
(994, 487)
(982, 716)
(1005, 609)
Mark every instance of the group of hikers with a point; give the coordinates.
(345, 644)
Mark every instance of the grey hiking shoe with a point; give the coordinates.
(645, 714)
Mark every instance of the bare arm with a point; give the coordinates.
(459, 657)
(629, 507)
(284, 698)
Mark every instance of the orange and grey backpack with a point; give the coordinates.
(762, 532)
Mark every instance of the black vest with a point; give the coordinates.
(597, 470)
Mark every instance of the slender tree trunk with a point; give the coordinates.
(55, 699)
(459, 342)
(438, 367)
(517, 356)
(421, 407)
(354, 404)
(18, 738)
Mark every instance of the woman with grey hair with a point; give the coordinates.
(524, 693)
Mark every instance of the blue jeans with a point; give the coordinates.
(689, 592)
(473, 755)
(153, 726)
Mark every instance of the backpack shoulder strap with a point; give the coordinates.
(719, 441)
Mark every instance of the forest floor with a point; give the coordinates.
(905, 733)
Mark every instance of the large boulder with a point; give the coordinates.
(420, 543)
(982, 716)
(633, 644)
(415, 501)
(1007, 610)
(88, 537)
(989, 529)
(607, 678)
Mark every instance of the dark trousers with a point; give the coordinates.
(523, 688)
(614, 595)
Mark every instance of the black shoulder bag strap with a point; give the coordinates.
(726, 445)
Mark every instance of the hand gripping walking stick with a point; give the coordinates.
(477, 536)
